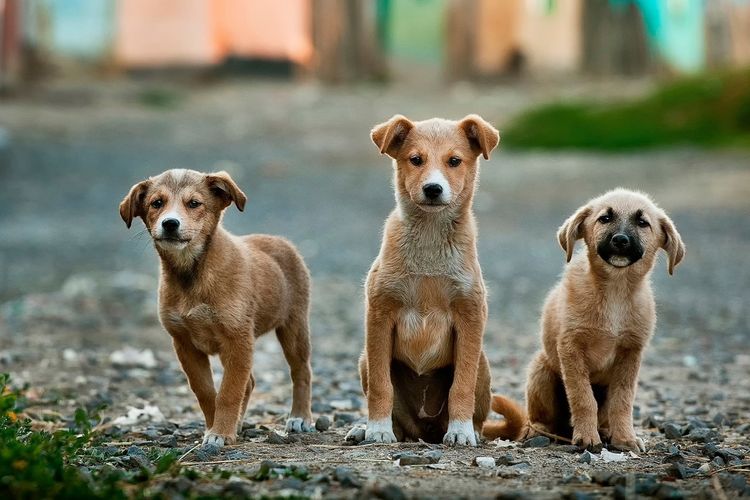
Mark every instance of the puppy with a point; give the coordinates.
(423, 369)
(595, 324)
(218, 292)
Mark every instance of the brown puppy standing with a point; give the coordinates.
(218, 292)
(423, 369)
(595, 324)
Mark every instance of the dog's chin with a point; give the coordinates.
(172, 244)
(620, 261)
(431, 207)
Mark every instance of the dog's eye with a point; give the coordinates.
(642, 223)
(605, 219)
(157, 204)
(415, 160)
(454, 161)
(194, 204)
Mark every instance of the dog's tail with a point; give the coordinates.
(515, 420)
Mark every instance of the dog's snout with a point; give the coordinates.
(432, 191)
(621, 241)
(170, 225)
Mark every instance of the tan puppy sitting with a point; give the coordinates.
(218, 292)
(423, 369)
(595, 324)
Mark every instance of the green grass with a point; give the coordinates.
(707, 111)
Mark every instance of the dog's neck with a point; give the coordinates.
(185, 267)
(432, 243)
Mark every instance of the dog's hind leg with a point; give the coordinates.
(294, 338)
(541, 397)
(245, 401)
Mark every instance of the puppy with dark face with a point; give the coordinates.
(423, 368)
(595, 324)
(218, 292)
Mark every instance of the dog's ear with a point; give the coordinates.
(482, 136)
(390, 136)
(132, 205)
(222, 185)
(572, 230)
(672, 243)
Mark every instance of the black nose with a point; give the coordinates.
(432, 191)
(620, 241)
(170, 225)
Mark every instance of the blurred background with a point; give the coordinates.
(96, 95)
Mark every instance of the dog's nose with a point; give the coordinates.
(620, 241)
(432, 191)
(170, 225)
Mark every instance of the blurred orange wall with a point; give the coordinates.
(202, 32)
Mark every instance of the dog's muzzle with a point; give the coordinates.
(620, 249)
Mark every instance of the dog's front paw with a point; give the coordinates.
(460, 432)
(298, 424)
(587, 439)
(628, 442)
(216, 439)
(380, 431)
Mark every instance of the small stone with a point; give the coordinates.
(729, 455)
(721, 420)
(672, 431)
(252, 433)
(681, 471)
(433, 455)
(276, 438)
(207, 452)
(646, 484)
(672, 458)
(412, 459)
(704, 469)
(386, 492)
(536, 442)
(603, 477)
(346, 477)
(345, 418)
(485, 462)
(718, 462)
(236, 455)
(167, 441)
(506, 459)
(139, 456)
(586, 457)
(568, 448)
(702, 435)
(356, 435)
(323, 423)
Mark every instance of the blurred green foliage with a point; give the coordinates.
(708, 110)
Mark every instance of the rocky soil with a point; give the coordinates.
(78, 320)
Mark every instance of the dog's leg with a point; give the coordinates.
(621, 395)
(237, 360)
(379, 345)
(469, 328)
(197, 368)
(295, 342)
(541, 399)
(245, 401)
(583, 407)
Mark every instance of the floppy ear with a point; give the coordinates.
(389, 136)
(571, 231)
(672, 243)
(132, 205)
(222, 185)
(482, 136)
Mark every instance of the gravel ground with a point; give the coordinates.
(76, 286)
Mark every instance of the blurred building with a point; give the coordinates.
(341, 40)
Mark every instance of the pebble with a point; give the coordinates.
(323, 423)
(672, 431)
(586, 457)
(346, 477)
(413, 459)
(276, 438)
(385, 492)
(356, 435)
(207, 452)
(138, 456)
(167, 441)
(484, 462)
(702, 435)
(345, 418)
(536, 442)
(681, 471)
(673, 458)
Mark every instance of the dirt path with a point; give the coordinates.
(76, 286)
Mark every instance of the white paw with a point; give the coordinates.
(460, 432)
(298, 424)
(380, 431)
(214, 439)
